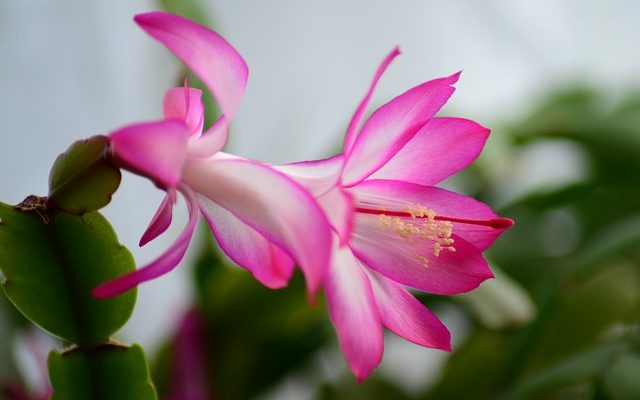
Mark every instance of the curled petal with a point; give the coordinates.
(156, 150)
(208, 54)
(185, 103)
(161, 220)
(405, 316)
(269, 264)
(272, 204)
(391, 126)
(356, 120)
(441, 148)
(161, 265)
(212, 141)
(354, 313)
(318, 177)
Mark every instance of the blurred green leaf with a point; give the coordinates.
(622, 380)
(586, 311)
(612, 241)
(52, 260)
(82, 180)
(580, 368)
(191, 9)
(374, 388)
(475, 369)
(105, 373)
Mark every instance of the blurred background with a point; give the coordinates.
(557, 82)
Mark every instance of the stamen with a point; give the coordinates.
(423, 226)
(415, 212)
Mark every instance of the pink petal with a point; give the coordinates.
(441, 148)
(316, 176)
(404, 315)
(212, 141)
(161, 220)
(270, 265)
(161, 265)
(272, 204)
(185, 103)
(415, 264)
(354, 313)
(356, 120)
(338, 206)
(396, 195)
(208, 54)
(156, 150)
(391, 126)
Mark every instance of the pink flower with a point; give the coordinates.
(392, 228)
(262, 219)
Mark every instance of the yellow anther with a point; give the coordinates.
(422, 225)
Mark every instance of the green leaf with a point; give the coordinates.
(52, 260)
(82, 179)
(105, 373)
(622, 380)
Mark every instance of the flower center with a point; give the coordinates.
(421, 223)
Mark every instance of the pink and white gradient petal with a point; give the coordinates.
(211, 141)
(356, 120)
(318, 177)
(354, 313)
(405, 316)
(269, 264)
(156, 150)
(272, 204)
(415, 264)
(391, 126)
(208, 54)
(161, 220)
(442, 147)
(166, 262)
(339, 208)
(185, 103)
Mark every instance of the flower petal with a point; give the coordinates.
(208, 54)
(397, 195)
(338, 206)
(161, 220)
(269, 264)
(354, 313)
(212, 141)
(185, 103)
(441, 148)
(318, 177)
(391, 126)
(161, 265)
(414, 263)
(356, 120)
(404, 315)
(156, 150)
(272, 204)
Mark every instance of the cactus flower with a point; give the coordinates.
(391, 227)
(264, 220)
